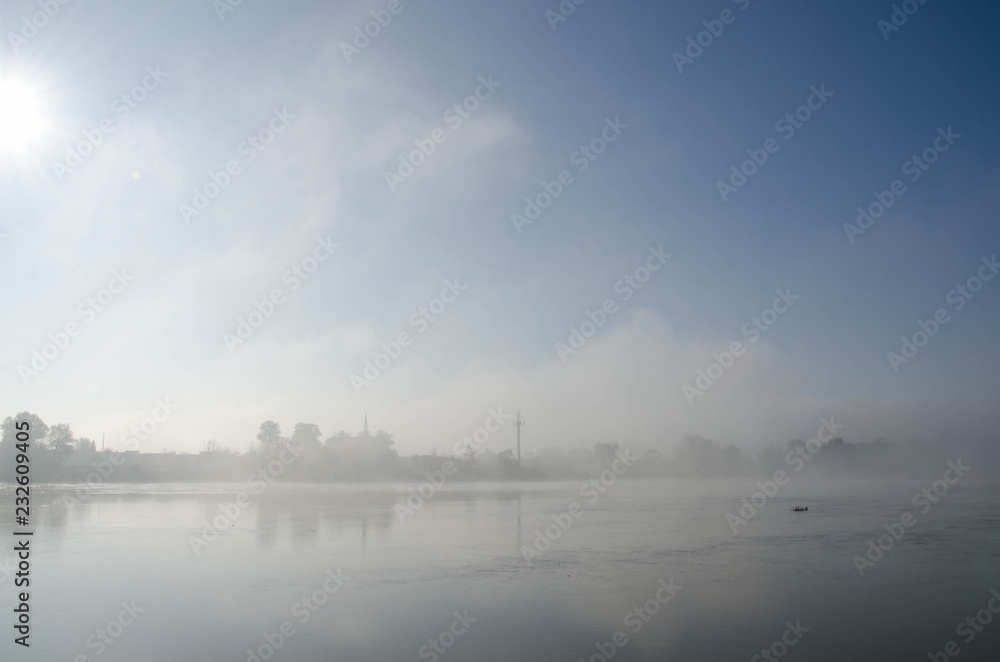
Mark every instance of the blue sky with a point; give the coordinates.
(324, 175)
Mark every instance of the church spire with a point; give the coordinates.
(365, 432)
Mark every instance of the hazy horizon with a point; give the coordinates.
(467, 331)
(210, 80)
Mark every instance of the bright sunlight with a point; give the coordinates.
(23, 120)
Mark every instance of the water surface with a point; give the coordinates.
(461, 552)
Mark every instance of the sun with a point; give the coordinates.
(23, 116)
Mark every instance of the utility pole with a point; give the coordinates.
(519, 424)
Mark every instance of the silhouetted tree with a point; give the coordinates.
(605, 452)
(8, 432)
(60, 441)
(8, 439)
(698, 456)
(269, 436)
(211, 446)
(306, 436)
(508, 463)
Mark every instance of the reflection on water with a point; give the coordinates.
(407, 573)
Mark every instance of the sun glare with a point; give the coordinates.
(22, 116)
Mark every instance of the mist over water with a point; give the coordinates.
(489, 331)
(461, 552)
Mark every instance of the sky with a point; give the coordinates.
(312, 119)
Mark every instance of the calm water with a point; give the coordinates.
(403, 582)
